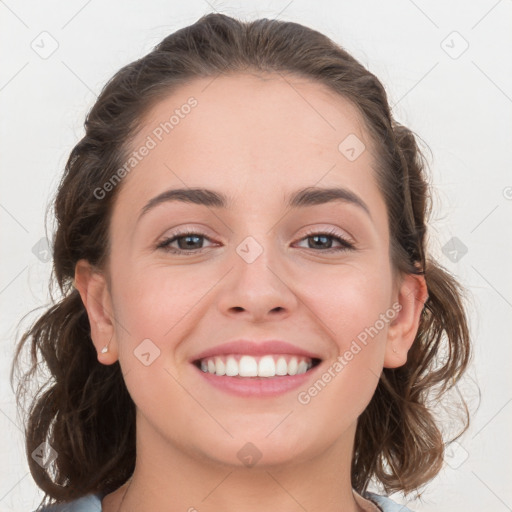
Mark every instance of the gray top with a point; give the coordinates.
(92, 503)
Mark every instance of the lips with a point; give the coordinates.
(262, 369)
(252, 348)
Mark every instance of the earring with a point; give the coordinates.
(395, 351)
(104, 350)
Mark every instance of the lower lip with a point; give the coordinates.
(258, 386)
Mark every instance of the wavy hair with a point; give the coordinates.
(84, 410)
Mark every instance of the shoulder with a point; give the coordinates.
(385, 503)
(92, 503)
(89, 503)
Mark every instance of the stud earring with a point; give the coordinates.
(395, 351)
(104, 350)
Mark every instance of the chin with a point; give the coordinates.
(261, 450)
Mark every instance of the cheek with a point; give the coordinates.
(154, 300)
(154, 308)
(354, 308)
(350, 300)
(353, 315)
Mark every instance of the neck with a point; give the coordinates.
(168, 478)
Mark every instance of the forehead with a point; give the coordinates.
(269, 106)
(250, 133)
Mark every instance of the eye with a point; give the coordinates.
(188, 243)
(323, 240)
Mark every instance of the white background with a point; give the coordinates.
(460, 105)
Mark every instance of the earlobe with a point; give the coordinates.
(403, 329)
(95, 295)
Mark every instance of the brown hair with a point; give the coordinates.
(85, 412)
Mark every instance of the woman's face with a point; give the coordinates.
(253, 270)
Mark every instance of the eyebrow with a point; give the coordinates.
(310, 196)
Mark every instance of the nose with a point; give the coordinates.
(258, 287)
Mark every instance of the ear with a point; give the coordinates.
(412, 294)
(97, 301)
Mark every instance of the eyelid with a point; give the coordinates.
(186, 230)
(330, 230)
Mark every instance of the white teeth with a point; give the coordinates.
(281, 366)
(266, 367)
(231, 367)
(219, 366)
(292, 366)
(249, 366)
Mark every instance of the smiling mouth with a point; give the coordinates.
(266, 366)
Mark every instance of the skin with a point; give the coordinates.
(255, 138)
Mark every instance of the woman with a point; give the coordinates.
(250, 317)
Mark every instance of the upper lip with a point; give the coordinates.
(254, 348)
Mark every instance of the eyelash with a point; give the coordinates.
(165, 244)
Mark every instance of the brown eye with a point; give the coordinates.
(188, 242)
(323, 241)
